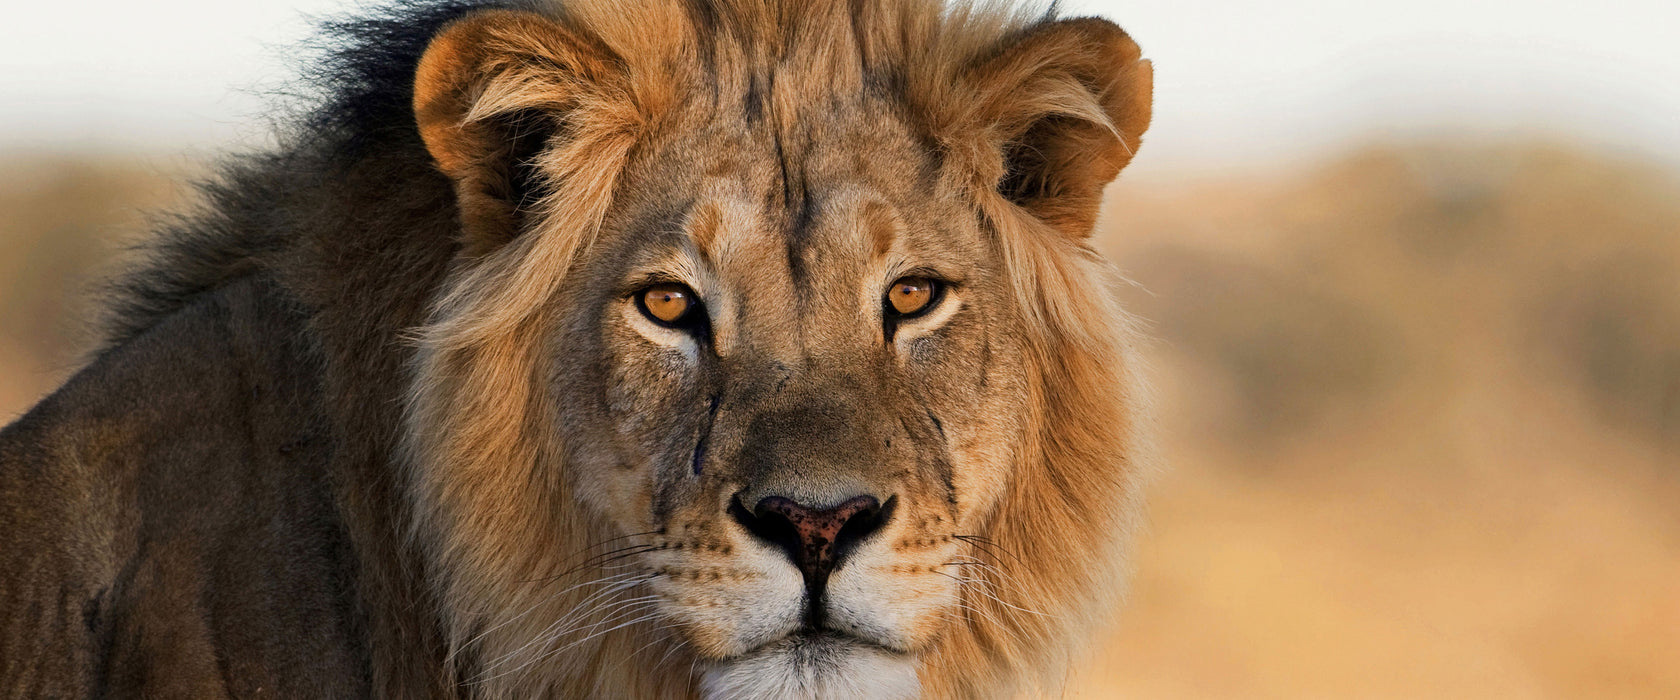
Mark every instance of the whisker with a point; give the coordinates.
(562, 625)
(676, 643)
(644, 618)
(994, 598)
(602, 544)
(1014, 634)
(573, 557)
(991, 546)
(987, 567)
(605, 581)
(658, 636)
(600, 560)
(585, 607)
(550, 639)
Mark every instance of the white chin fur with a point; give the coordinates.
(823, 668)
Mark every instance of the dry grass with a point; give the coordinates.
(1422, 407)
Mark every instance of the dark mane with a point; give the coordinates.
(351, 107)
(365, 71)
(344, 230)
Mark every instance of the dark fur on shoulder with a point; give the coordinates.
(327, 245)
(353, 104)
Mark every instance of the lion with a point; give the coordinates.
(671, 349)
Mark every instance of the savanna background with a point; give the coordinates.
(1414, 276)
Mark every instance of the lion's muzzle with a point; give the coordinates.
(816, 539)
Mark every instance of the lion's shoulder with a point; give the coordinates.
(170, 526)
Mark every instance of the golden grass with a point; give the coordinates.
(1421, 406)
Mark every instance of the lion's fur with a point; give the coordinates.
(431, 329)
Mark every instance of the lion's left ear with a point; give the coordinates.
(491, 93)
(1065, 106)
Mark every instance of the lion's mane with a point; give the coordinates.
(439, 363)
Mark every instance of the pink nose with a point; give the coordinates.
(817, 540)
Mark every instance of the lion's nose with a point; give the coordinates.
(816, 539)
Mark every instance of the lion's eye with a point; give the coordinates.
(668, 304)
(912, 296)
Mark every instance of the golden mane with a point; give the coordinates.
(477, 409)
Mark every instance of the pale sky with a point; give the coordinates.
(1237, 83)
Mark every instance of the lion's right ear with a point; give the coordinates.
(491, 94)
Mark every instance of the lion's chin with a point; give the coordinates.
(814, 666)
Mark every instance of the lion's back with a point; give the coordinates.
(169, 527)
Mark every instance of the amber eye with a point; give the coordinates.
(668, 304)
(911, 296)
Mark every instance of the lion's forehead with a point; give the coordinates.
(794, 235)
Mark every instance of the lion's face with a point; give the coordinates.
(796, 400)
(774, 345)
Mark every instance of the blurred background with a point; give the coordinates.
(1414, 272)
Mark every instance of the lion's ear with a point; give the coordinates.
(491, 93)
(1066, 106)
